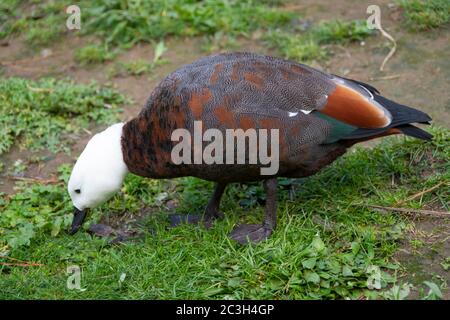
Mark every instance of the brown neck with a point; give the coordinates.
(137, 149)
(146, 139)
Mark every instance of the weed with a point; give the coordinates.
(41, 27)
(44, 32)
(337, 31)
(37, 114)
(51, 216)
(7, 11)
(425, 14)
(416, 243)
(140, 66)
(125, 23)
(218, 41)
(434, 291)
(133, 68)
(296, 47)
(18, 167)
(92, 54)
(310, 45)
(445, 264)
(398, 292)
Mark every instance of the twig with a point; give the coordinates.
(34, 179)
(87, 131)
(392, 77)
(20, 263)
(391, 53)
(408, 210)
(48, 90)
(294, 7)
(420, 193)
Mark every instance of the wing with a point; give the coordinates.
(243, 90)
(261, 85)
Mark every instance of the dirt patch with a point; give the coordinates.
(417, 75)
(40, 166)
(423, 252)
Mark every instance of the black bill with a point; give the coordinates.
(77, 222)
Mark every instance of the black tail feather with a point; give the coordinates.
(402, 114)
(402, 117)
(415, 132)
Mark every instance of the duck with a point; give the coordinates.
(315, 116)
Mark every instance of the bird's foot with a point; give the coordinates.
(250, 233)
(213, 215)
(117, 235)
(210, 216)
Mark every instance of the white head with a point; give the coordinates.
(98, 173)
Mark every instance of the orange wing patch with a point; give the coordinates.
(246, 122)
(235, 72)
(198, 101)
(349, 106)
(254, 79)
(217, 69)
(225, 116)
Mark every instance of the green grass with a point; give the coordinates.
(313, 44)
(425, 14)
(38, 114)
(140, 66)
(219, 42)
(124, 23)
(342, 32)
(327, 244)
(41, 26)
(92, 54)
(133, 68)
(296, 47)
(8, 25)
(44, 32)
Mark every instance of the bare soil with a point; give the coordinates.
(422, 253)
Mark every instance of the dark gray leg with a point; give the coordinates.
(255, 233)
(211, 212)
(212, 209)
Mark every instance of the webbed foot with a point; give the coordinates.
(254, 233)
(250, 233)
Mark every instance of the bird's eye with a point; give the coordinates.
(77, 191)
